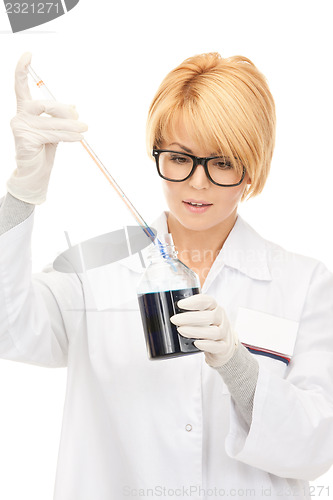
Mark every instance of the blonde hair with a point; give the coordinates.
(226, 107)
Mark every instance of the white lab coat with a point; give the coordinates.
(139, 428)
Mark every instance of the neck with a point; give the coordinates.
(199, 249)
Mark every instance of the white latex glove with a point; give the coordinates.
(207, 322)
(36, 137)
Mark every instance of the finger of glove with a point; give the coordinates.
(36, 123)
(21, 77)
(201, 332)
(55, 137)
(211, 346)
(53, 108)
(198, 302)
(195, 318)
(49, 137)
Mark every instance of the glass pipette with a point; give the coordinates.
(40, 84)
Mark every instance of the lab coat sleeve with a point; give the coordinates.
(33, 328)
(291, 434)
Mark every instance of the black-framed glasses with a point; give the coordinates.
(177, 167)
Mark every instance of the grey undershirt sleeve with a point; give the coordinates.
(240, 374)
(13, 212)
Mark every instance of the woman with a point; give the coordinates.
(253, 415)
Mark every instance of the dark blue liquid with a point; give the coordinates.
(162, 337)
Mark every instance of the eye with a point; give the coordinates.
(222, 163)
(179, 159)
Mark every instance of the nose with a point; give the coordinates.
(199, 179)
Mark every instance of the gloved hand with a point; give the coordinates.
(36, 138)
(207, 322)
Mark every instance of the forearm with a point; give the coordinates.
(32, 325)
(13, 212)
(240, 374)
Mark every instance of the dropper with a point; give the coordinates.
(142, 223)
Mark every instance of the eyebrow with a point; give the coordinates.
(181, 146)
(188, 150)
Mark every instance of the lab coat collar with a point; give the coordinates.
(244, 250)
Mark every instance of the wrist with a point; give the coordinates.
(218, 360)
(239, 362)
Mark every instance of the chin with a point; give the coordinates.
(197, 223)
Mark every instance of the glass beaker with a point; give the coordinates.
(165, 281)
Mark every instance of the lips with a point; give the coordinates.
(197, 206)
(197, 203)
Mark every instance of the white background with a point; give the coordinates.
(108, 58)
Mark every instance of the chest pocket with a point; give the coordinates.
(270, 337)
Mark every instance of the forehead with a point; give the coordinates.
(184, 136)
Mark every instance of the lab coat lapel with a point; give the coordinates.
(243, 250)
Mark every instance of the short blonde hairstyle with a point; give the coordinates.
(226, 107)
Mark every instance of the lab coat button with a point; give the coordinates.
(188, 427)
